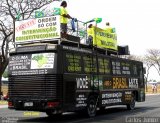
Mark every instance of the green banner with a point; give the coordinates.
(104, 39)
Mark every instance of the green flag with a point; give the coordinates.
(56, 11)
(39, 14)
(18, 16)
(113, 30)
(98, 20)
(82, 33)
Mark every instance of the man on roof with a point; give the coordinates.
(64, 19)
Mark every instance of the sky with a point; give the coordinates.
(137, 22)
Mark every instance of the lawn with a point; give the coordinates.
(4, 89)
(150, 89)
(2, 102)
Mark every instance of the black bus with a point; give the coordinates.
(56, 78)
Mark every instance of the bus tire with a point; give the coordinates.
(91, 106)
(51, 114)
(131, 105)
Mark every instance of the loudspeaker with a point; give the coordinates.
(123, 50)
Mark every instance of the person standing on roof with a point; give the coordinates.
(64, 16)
(108, 28)
(90, 32)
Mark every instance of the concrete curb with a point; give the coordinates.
(152, 94)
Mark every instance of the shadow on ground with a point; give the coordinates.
(109, 114)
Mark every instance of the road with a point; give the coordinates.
(118, 114)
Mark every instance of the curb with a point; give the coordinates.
(3, 106)
(152, 94)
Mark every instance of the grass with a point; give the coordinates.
(149, 87)
(5, 89)
(2, 102)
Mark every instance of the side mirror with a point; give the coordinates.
(144, 70)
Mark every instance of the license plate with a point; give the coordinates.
(28, 104)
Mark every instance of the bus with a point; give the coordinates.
(58, 78)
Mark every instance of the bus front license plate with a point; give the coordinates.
(28, 104)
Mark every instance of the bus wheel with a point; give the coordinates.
(91, 106)
(131, 105)
(52, 114)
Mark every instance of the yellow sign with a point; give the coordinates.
(31, 114)
(119, 83)
(104, 39)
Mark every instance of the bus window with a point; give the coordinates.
(125, 68)
(73, 63)
(107, 67)
(77, 63)
(116, 67)
(134, 68)
(140, 73)
(101, 65)
(90, 64)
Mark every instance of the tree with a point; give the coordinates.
(148, 64)
(154, 56)
(5, 73)
(10, 11)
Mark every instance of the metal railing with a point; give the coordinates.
(79, 30)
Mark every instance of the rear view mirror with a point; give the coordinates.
(144, 70)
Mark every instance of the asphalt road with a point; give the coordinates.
(145, 112)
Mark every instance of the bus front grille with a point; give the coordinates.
(35, 87)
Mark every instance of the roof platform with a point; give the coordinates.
(99, 50)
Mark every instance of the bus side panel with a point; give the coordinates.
(116, 97)
(76, 90)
